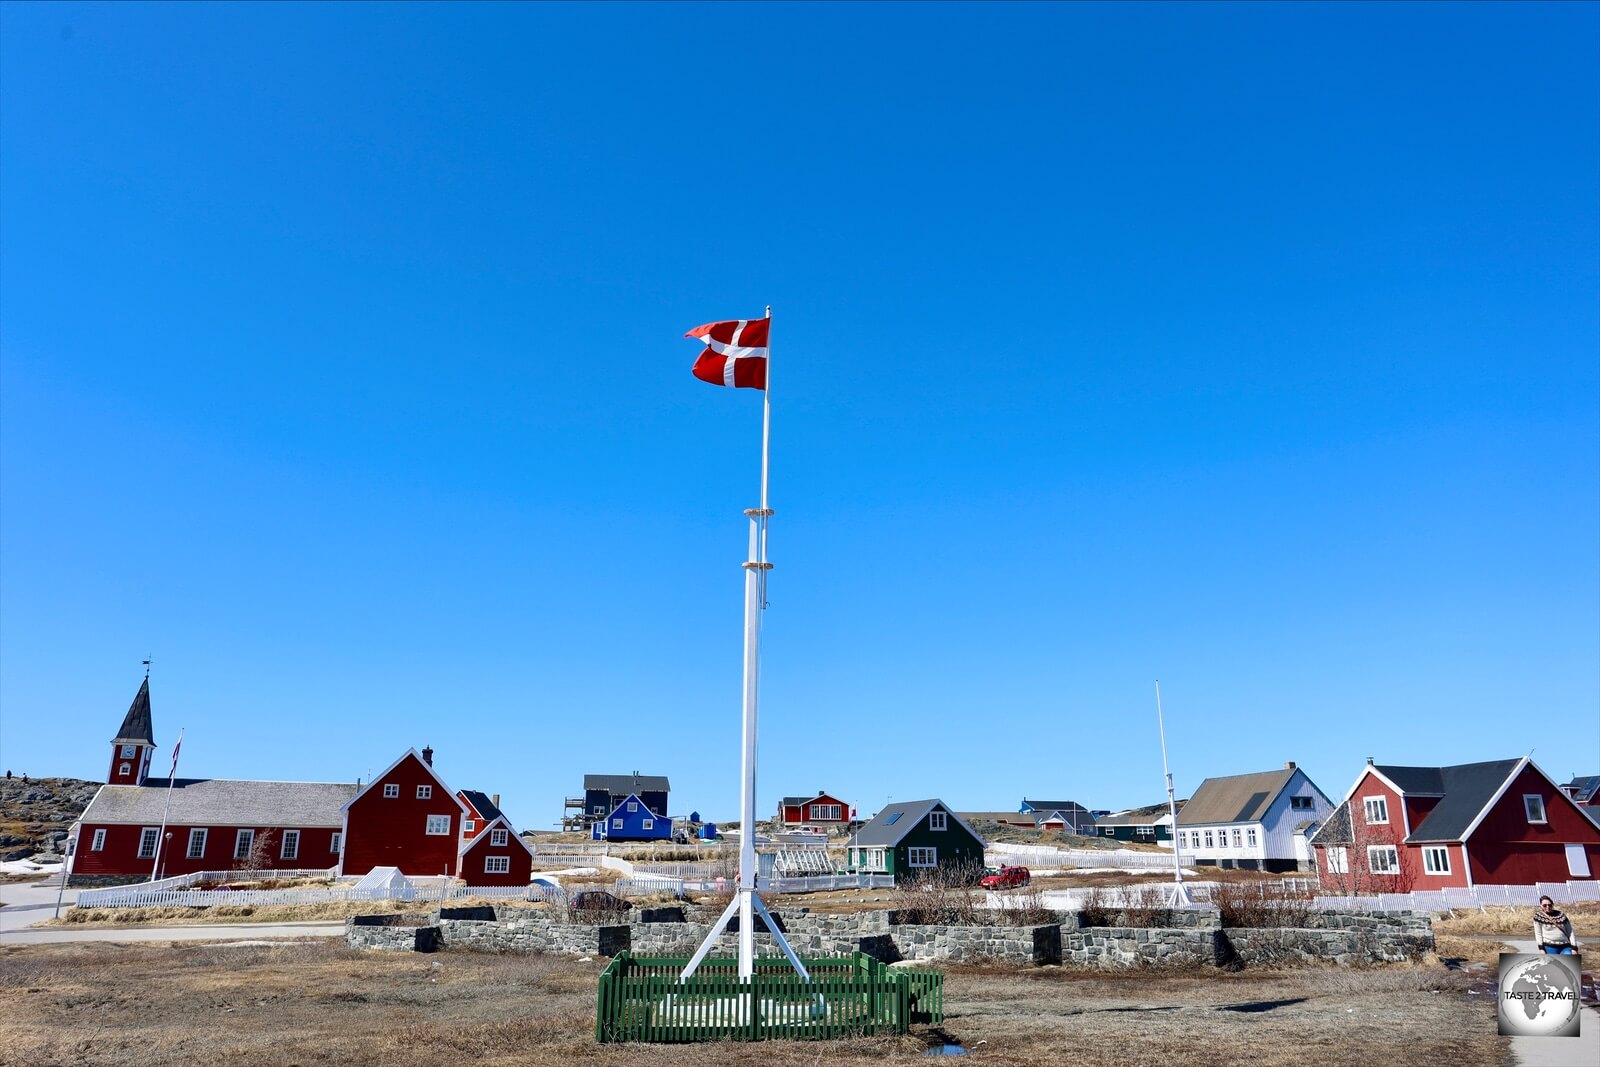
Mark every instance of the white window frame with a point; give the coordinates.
(424, 792)
(1529, 801)
(1111, 831)
(825, 812)
(647, 824)
(1144, 833)
(1250, 837)
(1435, 859)
(468, 825)
(499, 837)
(124, 770)
(497, 865)
(98, 842)
(1238, 838)
(616, 824)
(153, 835)
(938, 820)
(437, 826)
(598, 810)
(1208, 839)
(1577, 862)
(243, 842)
(1376, 810)
(391, 790)
(128, 752)
(1390, 867)
(1338, 859)
(1298, 803)
(284, 851)
(336, 842)
(633, 806)
(926, 854)
(197, 837)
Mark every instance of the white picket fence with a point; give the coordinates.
(90, 898)
(142, 896)
(1479, 896)
(644, 885)
(1050, 856)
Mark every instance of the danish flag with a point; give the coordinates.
(736, 353)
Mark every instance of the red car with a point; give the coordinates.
(1007, 878)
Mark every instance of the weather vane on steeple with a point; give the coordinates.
(147, 667)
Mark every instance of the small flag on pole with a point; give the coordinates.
(173, 773)
(735, 355)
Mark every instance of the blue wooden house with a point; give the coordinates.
(632, 820)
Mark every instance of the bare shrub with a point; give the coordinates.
(1260, 905)
(1144, 905)
(1096, 907)
(942, 895)
(259, 858)
(1022, 907)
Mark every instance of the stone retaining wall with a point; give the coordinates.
(1348, 938)
(392, 933)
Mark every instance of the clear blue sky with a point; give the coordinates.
(1254, 348)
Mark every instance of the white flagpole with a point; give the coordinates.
(747, 903)
(1180, 893)
(161, 837)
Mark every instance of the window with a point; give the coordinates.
(1144, 833)
(633, 806)
(499, 836)
(937, 821)
(127, 751)
(197, 844)
(1377, 809)
(647, 824)
(1533, 804)
(825, 812)
(99, 842)
(391, 790)
(616, 824)
(1250, 837)
(124, 770)
(424, 792)
(147, 842)
(438, 824)
(497, 865)
(336, 841)
(291, 845)
(468, 825)
(875, 859)
(1436, 860)
(1338, 860)
(1301, 803)
(922, 857)
(1577, 861)
(891, 820)
(1208, 839)
(598, 810)
(1383, 859)
(1236, 838)
(1111, 832)
(243, 842)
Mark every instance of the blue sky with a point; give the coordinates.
(1253, 348)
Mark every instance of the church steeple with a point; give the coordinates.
(135, 743)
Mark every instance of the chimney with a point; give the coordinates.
(1369, 761)
(427, 756)
(1288, 765)
(495, 800)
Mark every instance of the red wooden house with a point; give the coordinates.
(823, 809)
(406, 817)
(1503, 822)
(496, 855)
(482, 809)
(137, 827)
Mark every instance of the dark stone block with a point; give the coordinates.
(615, 939)
(428, 939)
(403, 919)
(880, 947)
(480, 913)
(661, 915)
(1047, 944)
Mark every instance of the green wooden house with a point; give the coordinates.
(911, 839)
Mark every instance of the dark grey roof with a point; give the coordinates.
(486, 806)
(1063, 806)
(1592, 812)
(627, 783)
(1467, 789)
(1234, 798)
(795, 802)
(1143, 817)
(1336, 831)
(896, 820)
(136, 728)
(1583, 789)
(222, 802)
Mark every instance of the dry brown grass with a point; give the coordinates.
(1485, 950)
(257, 913)
(16, 878)
(1516, 922)
(311, 1004)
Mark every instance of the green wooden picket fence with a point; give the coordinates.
(642, 999)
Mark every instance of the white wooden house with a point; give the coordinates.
(1262, 821)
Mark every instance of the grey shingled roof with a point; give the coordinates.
(881, 833)
(1336, 831)
(627, 783)
(1235, 798)
(1063, 806)
(1133, 818)
(136, 728)
(485, 805)
(1583, 789)
(1467, 789)
(222, 802)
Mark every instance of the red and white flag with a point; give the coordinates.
(174, 771)
(736, 353)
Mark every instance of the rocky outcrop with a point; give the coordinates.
(35, 815)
